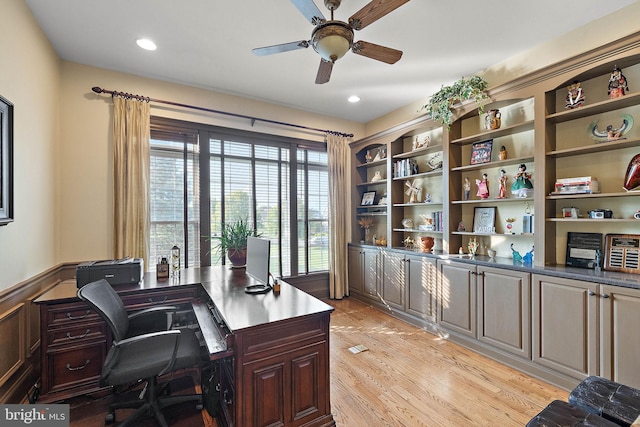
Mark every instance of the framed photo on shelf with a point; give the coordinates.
(484, 220)
(481, 152)
(368, 198)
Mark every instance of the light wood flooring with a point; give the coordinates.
(409, 377)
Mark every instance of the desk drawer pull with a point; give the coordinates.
(77, 337)
(70, 317)
(161, 302)
(78, 368)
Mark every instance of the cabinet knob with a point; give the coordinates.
(591, 293)
(605, 295)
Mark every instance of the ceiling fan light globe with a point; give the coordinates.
(332, 48)
(332, 40)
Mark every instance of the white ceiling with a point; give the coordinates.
(207, 44)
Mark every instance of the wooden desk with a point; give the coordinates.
(276, 371)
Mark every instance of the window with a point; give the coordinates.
(280, 185)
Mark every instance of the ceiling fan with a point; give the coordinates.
(332, 39)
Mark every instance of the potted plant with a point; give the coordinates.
(233, 241)
(441, 103)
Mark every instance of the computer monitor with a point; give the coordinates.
(258, 256)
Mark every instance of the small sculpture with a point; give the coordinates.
(427, 198)
(467, 188)
(426, 243)
(527, 259)
(575, 96)
(472, 246)
(517, 258)
(461, 226)
(522, 182)
(508, 227)
(435, 162)
(368, 158)
(611, 133)
(376, 177)
(483, 187)
(414, 189)
(493, 119)
(617, 84)
(502, 154)
(417, 144)
(407, 223)
(502, 190)
(409, 242)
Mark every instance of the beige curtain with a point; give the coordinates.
(337, 149)
(131, 132)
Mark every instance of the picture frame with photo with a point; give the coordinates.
(484, 219)
(368, 198)
(6, 161)
(481, 152)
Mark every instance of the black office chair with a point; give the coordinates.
(141, 357)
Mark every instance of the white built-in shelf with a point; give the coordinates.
(415, 230)
(587, 110)
(367, 184)
(498, 163)
(596, 148)
(503, 131)
(593, 195)
(373, 163)
(435, 172)
(418, 152)
(490, 200)
(400, 205)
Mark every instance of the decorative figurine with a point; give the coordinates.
(367, 157)
(376, 177)
(417, 144)
(426, 243)
(409, 242)
(493, 119)
(460, 251)
(502, 190)
(522, 182)
(427, 198)
(483, 187)
(610, 133)
(517, 258)
(472, 246)
(508, 227)
(617, 83)
(461, 226)
(527, 259)
(414, 190)
(435, 162)
(502, 154)
(467, 188)
(575, 96)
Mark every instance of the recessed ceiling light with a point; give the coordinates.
(146, 44)
(354, 98)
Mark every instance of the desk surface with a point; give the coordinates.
(225, 288)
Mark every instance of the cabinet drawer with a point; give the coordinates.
(69, 313)
(75, 367)
(68, 336)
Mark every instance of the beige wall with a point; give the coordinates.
(86, 150)
(30, 79)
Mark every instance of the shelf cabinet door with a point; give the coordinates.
(504, 309)
(356, 270)
(457, 298)
(370, 272)
(420, 283)
(393, 279)
(565, 325)
(619, 334)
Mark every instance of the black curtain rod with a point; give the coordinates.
(97, 89)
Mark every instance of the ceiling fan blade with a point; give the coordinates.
(310, 11)
(377, 52)
(279, 48)
(324, 72)
(373, 11)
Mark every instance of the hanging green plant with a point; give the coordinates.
(440, 104)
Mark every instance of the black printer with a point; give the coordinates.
(125, 271)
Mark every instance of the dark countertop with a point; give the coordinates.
(225, 287)
(614, 278)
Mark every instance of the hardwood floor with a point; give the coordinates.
(407, 377)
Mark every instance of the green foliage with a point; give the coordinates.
(440, 104)
(234, 236)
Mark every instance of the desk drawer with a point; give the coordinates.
(68, 336)
(160, 297)
(69, 313)
(75, 367)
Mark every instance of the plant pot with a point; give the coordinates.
(237, 257)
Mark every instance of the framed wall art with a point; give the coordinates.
(481, 152)
(484, 220)
(368, 198)
(6, 161)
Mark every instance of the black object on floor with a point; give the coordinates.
(563, 414)
(609, 399)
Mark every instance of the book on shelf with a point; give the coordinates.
(405, 167)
